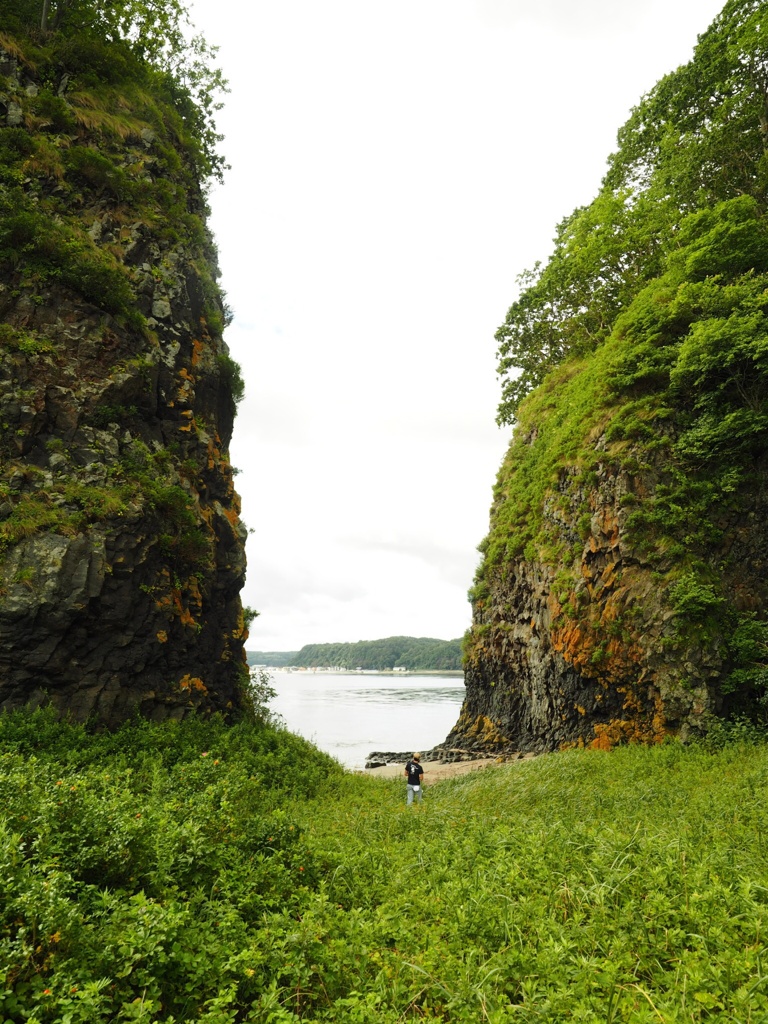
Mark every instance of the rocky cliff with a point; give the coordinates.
(613, 644)
(623, 589)
(121, 547)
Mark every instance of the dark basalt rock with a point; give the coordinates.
(608, 661)
(121, 548)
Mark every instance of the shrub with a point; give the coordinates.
(55, 252)
(55, 110)
(231, 378)
(692, 599)
(98, 171)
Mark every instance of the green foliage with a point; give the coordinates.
(195, 84)
(674, 402)
(93, 59)
(17, 339)
(747, 684)
(249, 616)
(49, 252)
(183, 537)
(193, 873)
(65, 508)
(15, 144)
(97, 170)
(414, 654)
(261, 691)
(231, 377)
(95, 42)
(103, 415)
(693, 599)
(749, 641)
(680, 383)
(549, 457)
(55, 111)
(141, 480)
(696, 140)
(569, 305)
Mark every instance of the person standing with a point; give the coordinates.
(414, 773)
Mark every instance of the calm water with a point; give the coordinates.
(350, 715)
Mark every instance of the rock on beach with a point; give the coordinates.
(438, 764)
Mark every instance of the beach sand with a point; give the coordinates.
(434, 771)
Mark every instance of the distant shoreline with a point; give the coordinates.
(390, 654)
(363, 671)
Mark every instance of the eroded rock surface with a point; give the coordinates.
(602, 649)
(121, 548)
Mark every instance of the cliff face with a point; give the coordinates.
(121, 548)
(623, 593)
(602, 653)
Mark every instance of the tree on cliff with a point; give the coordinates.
(698, 138)
(157, 25)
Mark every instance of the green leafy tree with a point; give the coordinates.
(700, 137)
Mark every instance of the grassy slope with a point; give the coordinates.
(145, 881)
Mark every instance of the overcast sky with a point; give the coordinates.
(395, 166)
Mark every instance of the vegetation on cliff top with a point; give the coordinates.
(199, 874)
(700, 137)
(84, 43)
(111, 122)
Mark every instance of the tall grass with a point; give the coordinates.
(583, 886)
(193, 873)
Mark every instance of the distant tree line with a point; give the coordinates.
(415, 654)
(271, 659)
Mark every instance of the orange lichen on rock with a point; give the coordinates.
(190, 683)
(483, 731)
(607, 523)
(232, 516)
(601, 648)
(184, 609)
(646, 723)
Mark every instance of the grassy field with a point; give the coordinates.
(195, 873)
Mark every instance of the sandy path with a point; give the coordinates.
(434, 771)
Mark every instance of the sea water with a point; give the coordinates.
(349, 715)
